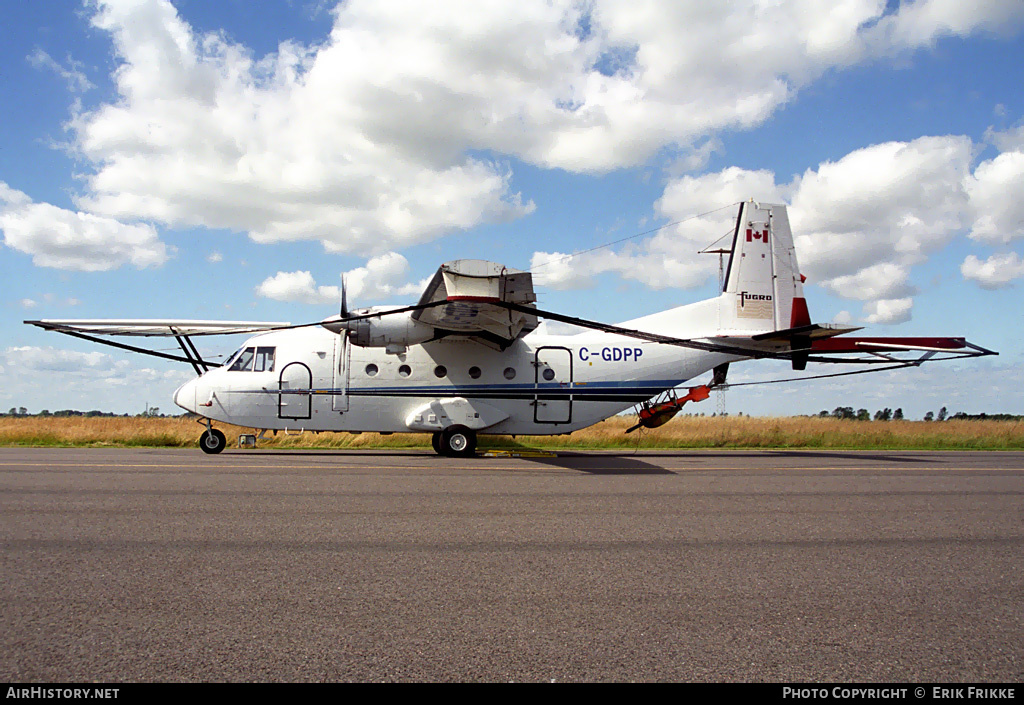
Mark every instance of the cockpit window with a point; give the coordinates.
(264, 360)
(232, 356)
(243, 363)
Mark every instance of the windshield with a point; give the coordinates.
(252, 359)
(231, 358)
(244, 361)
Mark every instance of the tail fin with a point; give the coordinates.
(763, 287)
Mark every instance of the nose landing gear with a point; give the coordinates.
(213, 440)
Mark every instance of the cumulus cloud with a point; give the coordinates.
(670, 257)
(559, 270)
(888, 311)
(842, 318)
(382, 277)
(368, 149)
(299, 287)
(1009, 140)
(350, 142)
(64, 239)
(860, 223)
(923, 22)
(994, 190)
(996, 272)
(896, 202)
(880, 281)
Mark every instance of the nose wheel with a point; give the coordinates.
(455, 442)
(212, 441)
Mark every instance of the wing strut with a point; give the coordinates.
(133, 348)
(195, 359)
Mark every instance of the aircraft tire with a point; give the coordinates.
(212, 441)
(458, 442)
(435, 441)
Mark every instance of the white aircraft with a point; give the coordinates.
(466, 360)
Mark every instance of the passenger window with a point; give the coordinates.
(474, 372)
(244, 361)
(264, 360)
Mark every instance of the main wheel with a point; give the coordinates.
(212, 441)
(435, 441)
(458, 442)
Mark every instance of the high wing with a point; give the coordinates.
(813, 343)
(154, 327)
(179, 329)
(475, 293)
(496, 305)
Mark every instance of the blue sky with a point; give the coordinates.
(205, 160)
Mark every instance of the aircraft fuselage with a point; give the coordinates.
(316, 380)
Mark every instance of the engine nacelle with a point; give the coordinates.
(392, 331)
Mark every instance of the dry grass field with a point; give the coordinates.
(682, 432)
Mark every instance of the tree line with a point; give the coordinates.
(887, 414)
(22, 411)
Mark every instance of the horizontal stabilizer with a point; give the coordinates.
(860, 345)
(814, 331)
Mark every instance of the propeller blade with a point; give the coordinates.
(344, 300)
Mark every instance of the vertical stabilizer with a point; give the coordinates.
(763, 286)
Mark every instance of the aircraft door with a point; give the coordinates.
(295, 400)
(552, 402)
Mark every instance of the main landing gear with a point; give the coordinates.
(455, 442)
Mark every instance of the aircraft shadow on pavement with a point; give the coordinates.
(599, 463)
(592, 463)
(613, 463)
(833, 454)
